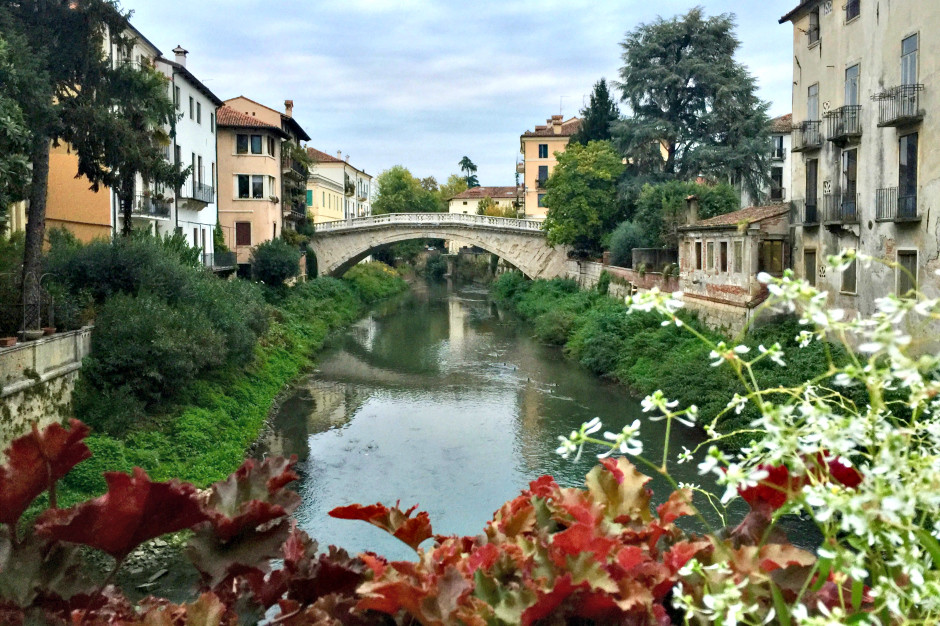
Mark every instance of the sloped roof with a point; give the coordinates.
(782, 124)
(804, 4)
(287, 119)
(227, 117)
(496, 193)
(322, 157)
(568, 128)
(746, 216)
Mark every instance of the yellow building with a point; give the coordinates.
(249, 153)
(336, 190)
(467, 202)
(538, 153)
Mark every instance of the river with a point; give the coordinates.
(443, 400)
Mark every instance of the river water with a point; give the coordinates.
(444, 401)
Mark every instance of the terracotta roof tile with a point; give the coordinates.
(227, 117)
(496, 193)
(322, 157)
(567, 129)
(748, 215)
(782, 124)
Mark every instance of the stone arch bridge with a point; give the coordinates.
(341, 244)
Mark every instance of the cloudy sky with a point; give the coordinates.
(424, 82)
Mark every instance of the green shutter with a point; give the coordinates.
(309, 197)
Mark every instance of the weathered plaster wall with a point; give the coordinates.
(36, 381)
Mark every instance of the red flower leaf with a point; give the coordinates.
(133, 511)
(774, 490)
(35, 462)
(620, 488)
(842, 472)
(410, 530)
(682, 552)
(579, 539)
(678, 505)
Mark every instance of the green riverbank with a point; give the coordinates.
(205, 436)
(636, 350)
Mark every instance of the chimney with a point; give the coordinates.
(289, 108)
(692, 204)
(180, 53)
(556, 124)
(339, 155)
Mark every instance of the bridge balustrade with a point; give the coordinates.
(436, 219)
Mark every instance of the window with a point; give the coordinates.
(909, 60)
(778, 147)
(212, 180)
(309, 197)
(738, 257)
(907, 176)
(813, 32)
(323, 198)
(199, 113)
(195, 237)
(244, 186)
(542, 200)
(257, 187)
(256, 144)
(192, 108)
(710, 255)
(776, 183)
(812, 189)
(176, 98)
(812, 103)
(199, 171)
(270, 146)
(849, 183)
(687, 260)
(241, 144)
(809, 266)
(178, 155)
(242, 233)
(723, 256)
(907, 271)
(770, 257)
(851, 86)
(194, 173)
(849, 278)
(212, 122)
(853, 9)
(543, 175)
(543, 150)
(698, 255)
(272, 186)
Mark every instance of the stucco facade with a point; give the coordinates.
(866, 175)
(249, 153)
(538, 149)
(337, 190)
(780, 188)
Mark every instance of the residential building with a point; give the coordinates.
(506, 198)
(249, 153)
(538, 153)
(193, 209)
(336, 190)
(865, 107)
(70, 202)
(293, 178)
(15, 219)
(779, 187)
(720, 257)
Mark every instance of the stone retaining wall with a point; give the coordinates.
(36, 380)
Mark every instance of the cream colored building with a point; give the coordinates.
(336, 190)
(467, 202)
(538, 153)
(249, 153)
(866, 136)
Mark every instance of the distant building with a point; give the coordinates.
(779, 189)
(865, 172)
(538, 153)
(719, 259)
(292, 180)
(249, 152)
(468, 201)
(337, 190)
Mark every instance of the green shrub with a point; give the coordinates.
(436, 267)
(627, 236)
(603, 283)
(274, 262)
(509, 287)
(374, 281)
(554, 327)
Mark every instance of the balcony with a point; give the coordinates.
(151, 206)
(899, 106)
(520, 168)
(293, 167)
(220, 261)
(845, 124)
(807, 213)
(807, 136)
(840, 209)
(540, 183)
(199, 192)
(777, 194)
(890, 206)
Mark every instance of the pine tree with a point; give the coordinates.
(598, 117)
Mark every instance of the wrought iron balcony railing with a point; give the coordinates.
(891, 206)
(150, 206)
(220, 260)
(540, 183)
(844, 123)
(778, 194)
(900, 106)
(840, 208)
(807, 212)
(807, 136)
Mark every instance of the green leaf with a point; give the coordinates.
(930, 544)
(780, 606)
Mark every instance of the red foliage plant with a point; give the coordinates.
(551, 555)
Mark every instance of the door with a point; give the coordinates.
(809, 266)
(849, 184)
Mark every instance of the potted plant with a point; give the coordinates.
(48, 330)
(6, 342)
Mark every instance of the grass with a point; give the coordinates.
(639, 352)
(204, 437)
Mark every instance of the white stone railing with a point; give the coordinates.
(430, 219)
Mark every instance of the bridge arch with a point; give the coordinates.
(340, 245)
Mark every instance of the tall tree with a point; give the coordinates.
(687, 93)
(429, 183)
(598, 117)
(582, 196)
(455, 184)
(400, 192)
(15, 137)
(467, 166)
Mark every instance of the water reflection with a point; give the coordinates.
(442, 401)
